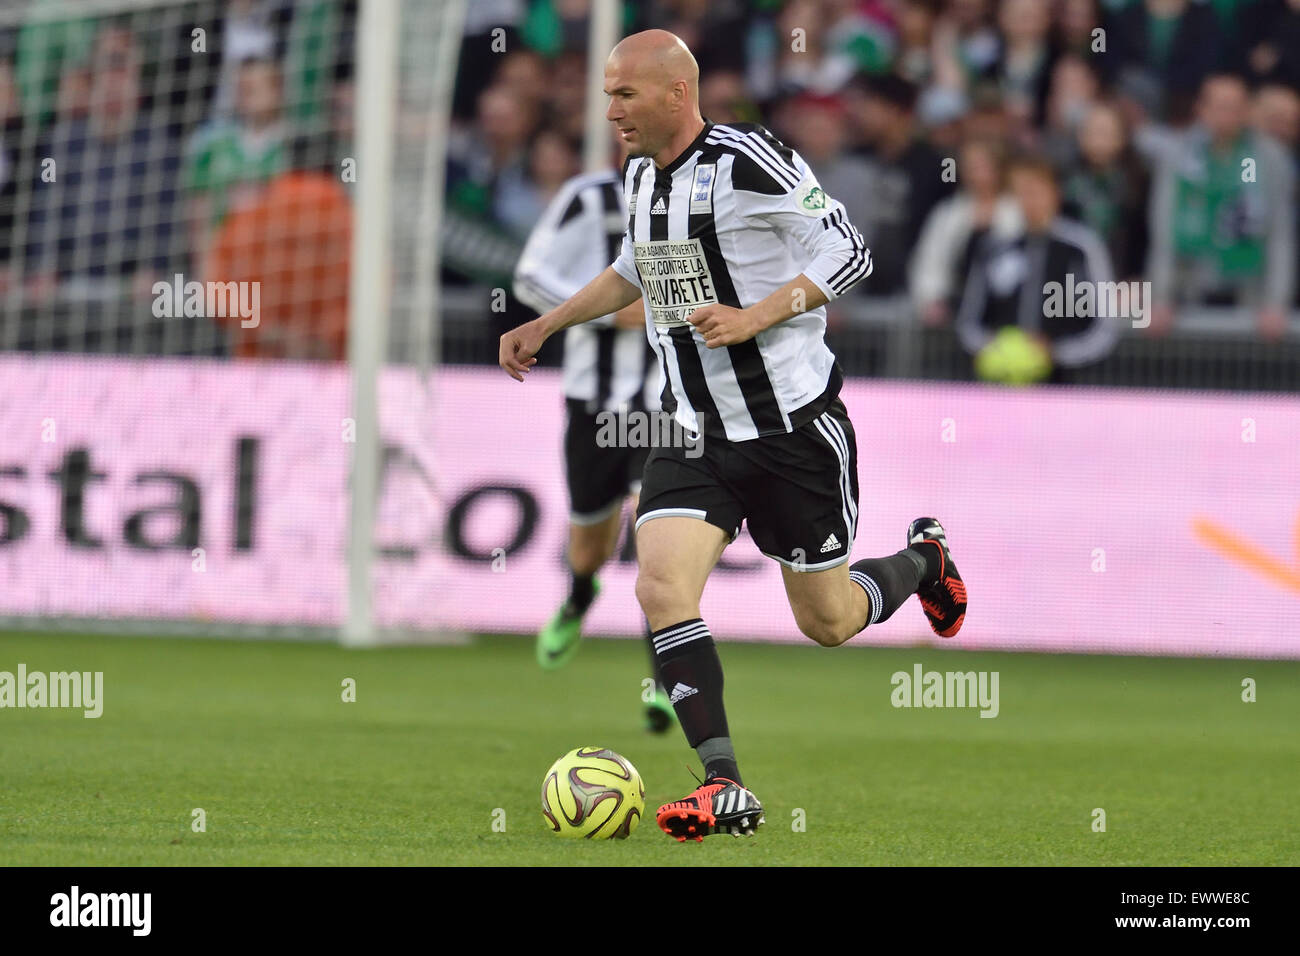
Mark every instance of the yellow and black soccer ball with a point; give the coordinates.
(593, 792)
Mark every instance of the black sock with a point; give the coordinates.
(888, 581)
(581, 593)
(692, 674)
(655, 671)
(933, 562)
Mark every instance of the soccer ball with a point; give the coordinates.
(592, 792)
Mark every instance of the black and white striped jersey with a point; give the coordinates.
(578, 236)
(735, 217)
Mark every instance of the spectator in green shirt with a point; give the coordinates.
(229, 163)
(1223, 215)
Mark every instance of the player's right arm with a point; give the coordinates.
(608, 292)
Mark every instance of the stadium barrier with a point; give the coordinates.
(210, 492)
(1208, 348)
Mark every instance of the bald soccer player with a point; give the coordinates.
(737, 250)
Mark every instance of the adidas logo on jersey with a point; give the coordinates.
(660, 208)
(831, 543)
(681, 692)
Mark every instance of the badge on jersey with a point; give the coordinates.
(675, 279)
(810, 199)
(702, 188)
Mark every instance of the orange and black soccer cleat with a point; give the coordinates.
(718, 806)
(944, 598)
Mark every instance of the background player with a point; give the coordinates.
(608, 368)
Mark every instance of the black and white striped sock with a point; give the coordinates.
(888, 581)
(692, 675)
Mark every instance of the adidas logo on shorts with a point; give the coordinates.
(681, 692)
(831, 543)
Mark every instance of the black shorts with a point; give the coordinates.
(599, 478)
(798, 491)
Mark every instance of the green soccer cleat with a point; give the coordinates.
(659, 713)
(558, 641)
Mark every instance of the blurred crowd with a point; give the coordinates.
(208, 138)
(1166, 130)
(200, 139)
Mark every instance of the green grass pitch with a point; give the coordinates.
(257, 735)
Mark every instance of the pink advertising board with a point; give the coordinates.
(1083, 520)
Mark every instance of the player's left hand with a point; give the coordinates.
(723, 325)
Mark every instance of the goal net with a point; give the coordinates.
(218, 305)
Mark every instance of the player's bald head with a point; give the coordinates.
(659, 58)
(653, 83)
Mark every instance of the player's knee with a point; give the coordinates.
(658, 594)
(824, 626)
(826, 631)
